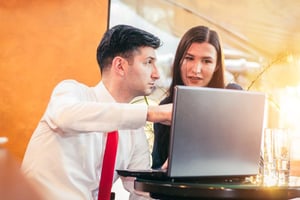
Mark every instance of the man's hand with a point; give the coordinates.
(160, 113)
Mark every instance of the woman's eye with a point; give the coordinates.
(207, 61)
(188, 58)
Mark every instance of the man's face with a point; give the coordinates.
(142, 72)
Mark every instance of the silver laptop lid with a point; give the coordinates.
(215, 132)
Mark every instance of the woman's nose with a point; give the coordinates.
(198, 68)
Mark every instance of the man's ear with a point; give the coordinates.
(118, 65)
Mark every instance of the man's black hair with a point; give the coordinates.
(123, 40)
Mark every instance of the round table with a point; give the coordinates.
(168, 190)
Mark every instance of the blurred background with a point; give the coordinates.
(41, 43)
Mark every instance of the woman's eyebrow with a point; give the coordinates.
(187, 53)
(207, 57)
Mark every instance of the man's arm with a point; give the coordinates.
(74, 108)
(160, 113)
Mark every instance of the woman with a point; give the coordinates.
(198, 62)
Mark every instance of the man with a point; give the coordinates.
(64, 156)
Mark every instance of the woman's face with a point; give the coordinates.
(199, 64)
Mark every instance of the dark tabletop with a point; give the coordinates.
(168, 190)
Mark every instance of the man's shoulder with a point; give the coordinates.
(69, 83)
(70, 86)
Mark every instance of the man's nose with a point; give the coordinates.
(155, 72)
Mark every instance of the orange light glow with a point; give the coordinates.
(290, 108)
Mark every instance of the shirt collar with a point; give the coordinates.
(102, 93)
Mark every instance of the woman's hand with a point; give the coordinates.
(165, 165)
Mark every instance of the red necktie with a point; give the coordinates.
(108, 166)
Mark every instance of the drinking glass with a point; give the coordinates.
(276, 157)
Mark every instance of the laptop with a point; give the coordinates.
(215, 135)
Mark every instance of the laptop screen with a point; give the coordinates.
(215, 132)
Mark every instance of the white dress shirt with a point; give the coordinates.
(64, 155)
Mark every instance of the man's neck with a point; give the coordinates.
(117, 91)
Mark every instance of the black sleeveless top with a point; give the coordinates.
(161, 143)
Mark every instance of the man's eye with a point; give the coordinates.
(149, 62)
